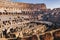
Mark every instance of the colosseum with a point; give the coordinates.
(19, 21)
(18, 7)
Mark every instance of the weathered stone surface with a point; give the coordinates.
(21, 6)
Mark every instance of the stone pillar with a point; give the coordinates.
(52, 35)
(38, 37)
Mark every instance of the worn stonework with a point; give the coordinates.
(14, 6)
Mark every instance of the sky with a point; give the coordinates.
(49, 3)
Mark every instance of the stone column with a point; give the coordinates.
(38, 37)
(52, 35)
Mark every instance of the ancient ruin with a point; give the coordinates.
(23, 21)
